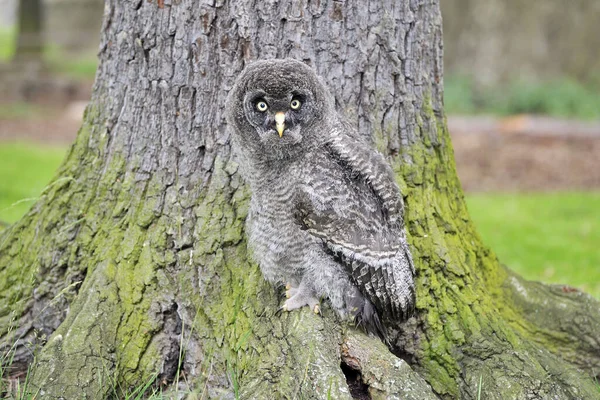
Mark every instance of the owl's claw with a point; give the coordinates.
(300, 296)
(290, 292)
(299, 300)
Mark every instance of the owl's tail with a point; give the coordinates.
(365, 314)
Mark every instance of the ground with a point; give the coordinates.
(526, 153)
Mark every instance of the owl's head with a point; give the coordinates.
(277, 108)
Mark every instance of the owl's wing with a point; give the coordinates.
(365, 234)
(372, 167)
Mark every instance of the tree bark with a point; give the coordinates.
(132, 267)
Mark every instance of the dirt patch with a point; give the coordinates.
(53, 127)
(526, 153)
(40, 107)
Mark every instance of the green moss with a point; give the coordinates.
(459, 281)
(437, 220)
(440, 380)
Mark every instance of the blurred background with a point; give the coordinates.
(522, 95)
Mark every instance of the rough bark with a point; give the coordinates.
(133, 265)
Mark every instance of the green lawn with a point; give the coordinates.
(8, 38)
(25, 170)
(553, 237)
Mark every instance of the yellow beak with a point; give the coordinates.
(280, 123)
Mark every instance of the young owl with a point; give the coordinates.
(326, 214)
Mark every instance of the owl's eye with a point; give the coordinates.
(262, 106)
(295, 104)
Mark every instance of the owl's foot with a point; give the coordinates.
(294, 303)
(300, 297)
(290, 290)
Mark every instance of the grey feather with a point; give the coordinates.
(326, 212)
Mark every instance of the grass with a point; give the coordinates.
(552, 237)
(8, 38)
(563, 98)
(25, 169)
(20, 109)
(82, 66)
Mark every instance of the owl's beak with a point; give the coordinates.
(280, 123)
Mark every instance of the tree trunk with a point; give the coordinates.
(29, 41)
(73, 26)
(132, 267)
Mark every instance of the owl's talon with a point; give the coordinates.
(289, 293)
(300, 298)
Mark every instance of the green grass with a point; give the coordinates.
(563, 98)
(7, 43)
(20, 109)
(552, 237)
(83, 67)
(25, 169)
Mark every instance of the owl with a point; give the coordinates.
(325, 215)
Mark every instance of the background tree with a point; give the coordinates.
(29, 40)
(485, 40)
(133, 265)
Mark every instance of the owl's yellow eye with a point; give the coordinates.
(295, 104)
(261, 106)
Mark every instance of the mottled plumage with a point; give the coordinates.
(326, 213)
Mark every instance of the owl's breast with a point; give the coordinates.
(277, 243)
